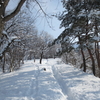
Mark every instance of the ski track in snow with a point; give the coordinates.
(33, 88)
(36, 81)
(58, 82)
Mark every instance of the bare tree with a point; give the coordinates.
(3, 16)
(15, 52)
(7, 15)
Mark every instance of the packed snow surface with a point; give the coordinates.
(58, 82)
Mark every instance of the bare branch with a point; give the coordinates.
(41, 8)
(6, 3)
(15, 12)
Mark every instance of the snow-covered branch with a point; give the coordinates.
(14, 11)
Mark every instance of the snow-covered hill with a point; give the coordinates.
(58, 82)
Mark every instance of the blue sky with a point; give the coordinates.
(50, 7)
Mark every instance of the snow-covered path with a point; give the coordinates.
(58, 82)
(31, 82)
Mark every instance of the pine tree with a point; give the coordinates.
(77, 19)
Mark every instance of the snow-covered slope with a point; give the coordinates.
(58, 82)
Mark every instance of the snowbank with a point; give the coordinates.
(77, 84)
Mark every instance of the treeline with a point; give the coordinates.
(81, 36)
(22, 41)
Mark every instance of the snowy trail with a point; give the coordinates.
(33, 88)
(48, 88)
(31, 82)
(58, 82)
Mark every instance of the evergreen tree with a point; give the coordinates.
(77, 19)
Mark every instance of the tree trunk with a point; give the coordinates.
(97, 54)
(10, 67)
(84, 61)
(2, 8)
(3, 18)
(1, 27)
(34, 57)
(92, 59)
(19, 63)
(83, 56)
(41, 56)
(3, 67)
(97, 44)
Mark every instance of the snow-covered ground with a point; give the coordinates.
(58, 82)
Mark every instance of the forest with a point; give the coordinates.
(80, 38)
(78, 43)
(20, 39)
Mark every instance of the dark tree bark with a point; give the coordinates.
(5, 49)
(2, 11)
(97, 54)
(83, 56)
(3, 67)
(84, 61)
(93, 61)
(41, 56)
(4, 18)
(97, 44)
